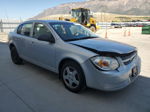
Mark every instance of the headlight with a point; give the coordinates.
(105, 63)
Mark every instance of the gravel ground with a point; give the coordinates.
(29, 88)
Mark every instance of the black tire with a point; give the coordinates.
(15, 57)
(79, 76)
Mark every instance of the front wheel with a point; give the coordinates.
(15, 57)
(73, 77)
(92, 28)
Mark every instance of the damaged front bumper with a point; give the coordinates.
(112, 80)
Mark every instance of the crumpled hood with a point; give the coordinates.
(103, 45)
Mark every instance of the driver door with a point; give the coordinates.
(43, 52)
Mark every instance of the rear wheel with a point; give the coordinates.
(15, 57)
(73, 77)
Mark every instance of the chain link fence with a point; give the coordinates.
(8, 25)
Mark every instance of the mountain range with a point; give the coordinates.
(125, 7)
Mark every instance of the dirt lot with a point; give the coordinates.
(29, 88)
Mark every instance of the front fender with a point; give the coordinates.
(69, 51)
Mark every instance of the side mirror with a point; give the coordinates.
(47, 38)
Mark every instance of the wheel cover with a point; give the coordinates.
(71, 77)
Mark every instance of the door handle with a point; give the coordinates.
(17, 38)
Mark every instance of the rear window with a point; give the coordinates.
(25, 29)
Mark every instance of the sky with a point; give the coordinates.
(24, 9)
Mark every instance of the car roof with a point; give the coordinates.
(47, 21)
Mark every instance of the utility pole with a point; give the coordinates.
(1, 26)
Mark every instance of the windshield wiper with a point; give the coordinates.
(74, 39)
(89, 37)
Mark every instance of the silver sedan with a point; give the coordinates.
(80, 57)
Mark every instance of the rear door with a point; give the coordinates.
(22, 38)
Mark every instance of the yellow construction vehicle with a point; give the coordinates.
(84, 17)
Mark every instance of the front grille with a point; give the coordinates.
(128, 58)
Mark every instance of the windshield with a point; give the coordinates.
(76, 14)
(72, 31)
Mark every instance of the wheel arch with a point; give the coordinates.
(93, 25)
(65, 60)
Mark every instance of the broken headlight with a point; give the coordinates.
(105, 63)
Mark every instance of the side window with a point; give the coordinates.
(25, 29)
(40, 29)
